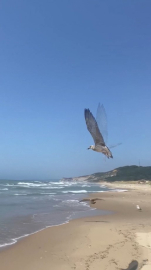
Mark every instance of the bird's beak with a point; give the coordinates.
(88, 148)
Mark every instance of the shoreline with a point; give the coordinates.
(20, 238)
(129, 185)
(122, 232)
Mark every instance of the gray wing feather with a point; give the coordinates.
(86, 200)
(92, 127)
(101, 119)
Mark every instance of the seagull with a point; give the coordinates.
(138, 207)
(93, 128)
(93, 201)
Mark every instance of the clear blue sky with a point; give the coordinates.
(59, 57)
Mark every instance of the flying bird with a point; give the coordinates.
(93, 201)
(93, 128)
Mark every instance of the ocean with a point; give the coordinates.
(30, 206)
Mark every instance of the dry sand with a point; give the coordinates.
(107, 242)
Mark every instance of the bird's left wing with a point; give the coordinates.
(92, 127)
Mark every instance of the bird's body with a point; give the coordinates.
(103, 149)
(138, 207)
(93, 128)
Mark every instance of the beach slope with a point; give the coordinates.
(108, 242)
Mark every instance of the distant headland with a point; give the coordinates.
(126, 173)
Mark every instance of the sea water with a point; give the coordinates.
(30, 206)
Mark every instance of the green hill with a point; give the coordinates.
(126, 173)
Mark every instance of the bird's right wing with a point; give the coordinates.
(112, 146)
(101, 119)
(92, 127)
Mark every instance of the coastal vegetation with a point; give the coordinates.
(125, 173)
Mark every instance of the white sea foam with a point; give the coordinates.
(47, 193)
(32, 184)
(75, 191)
(51, 187)
(3, 188)
(7, 185)
(21, 194)
(14, 240)
(66, 186)
(57, 183)
(8, 244)
(70, 201)
(118, 190)
(24, 183)
(96, 191)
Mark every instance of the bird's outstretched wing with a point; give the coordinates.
(87, 199)
(101, 119)
(92, 127)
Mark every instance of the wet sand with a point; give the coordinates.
(107, 242)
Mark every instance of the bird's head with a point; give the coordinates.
(91, 147)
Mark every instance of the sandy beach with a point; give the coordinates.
(108, 242)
